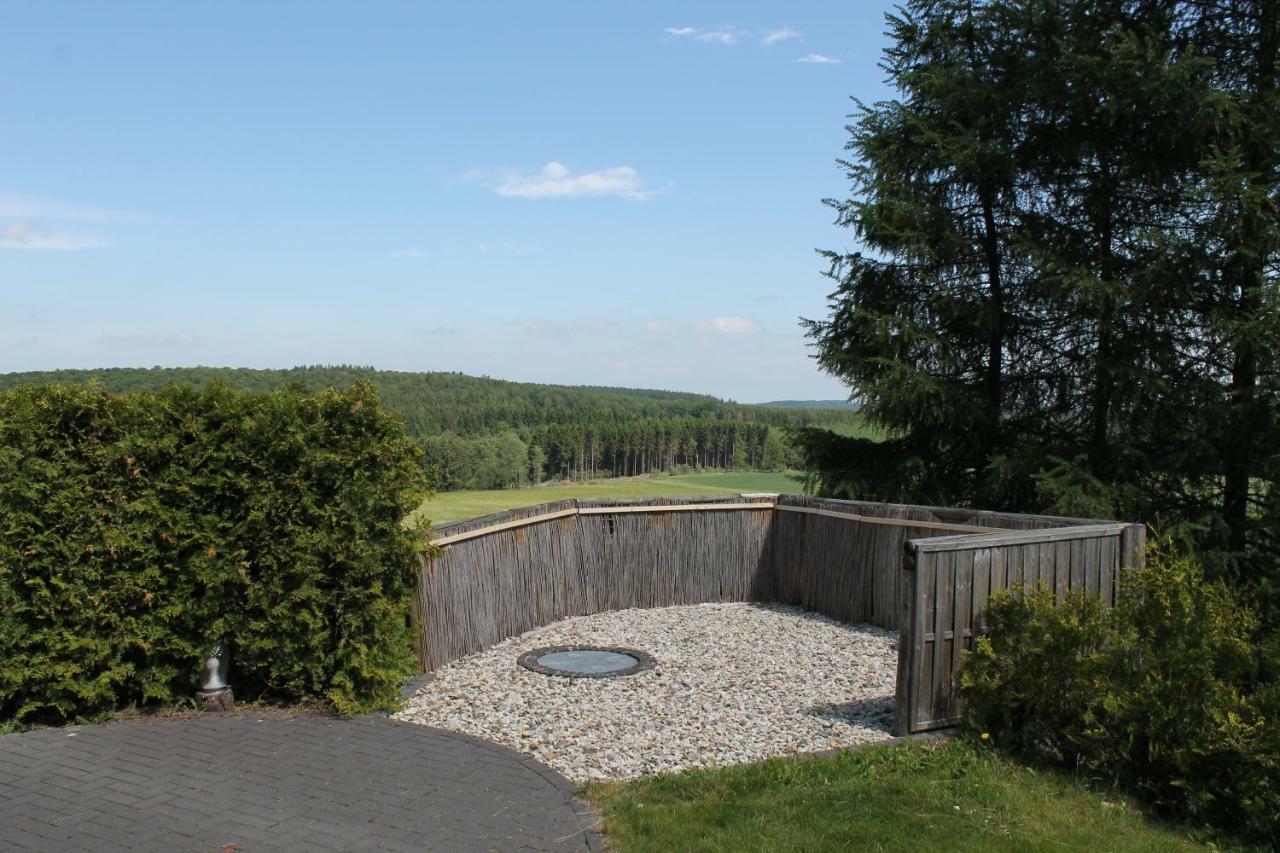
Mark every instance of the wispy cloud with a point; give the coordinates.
(487, 247)
(28, 235)
(14, 205)
(730, 324)
(721, 35)
(727, 36)
(659, 327)
(555, 180)
(505, 246)
(579, 328)
(819, 59)
(772, 37)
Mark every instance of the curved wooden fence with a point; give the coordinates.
(504, 574)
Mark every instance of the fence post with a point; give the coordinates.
(906, 641)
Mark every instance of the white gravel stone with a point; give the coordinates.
(733, 683)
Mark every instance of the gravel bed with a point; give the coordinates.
(733, 683)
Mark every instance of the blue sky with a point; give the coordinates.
(584, 193)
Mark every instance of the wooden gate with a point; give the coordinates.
(949, 579)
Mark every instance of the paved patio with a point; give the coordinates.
(245, 782)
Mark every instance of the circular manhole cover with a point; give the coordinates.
(586, 661)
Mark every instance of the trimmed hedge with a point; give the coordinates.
(1172, 694)
(136, 530)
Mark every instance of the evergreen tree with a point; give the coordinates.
(1069, 241)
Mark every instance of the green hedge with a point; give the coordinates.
(138, 529)
(1172, 694)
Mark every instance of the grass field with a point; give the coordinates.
(453, 506)
(910, 797)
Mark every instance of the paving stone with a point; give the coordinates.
(314, 783)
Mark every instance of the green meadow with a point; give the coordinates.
(454, 506)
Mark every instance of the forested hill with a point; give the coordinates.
(488, 433)
(443, 402)
(825, 405)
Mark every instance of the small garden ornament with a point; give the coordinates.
(215, 693)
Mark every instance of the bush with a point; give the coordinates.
(1167, 694)
(136, 530)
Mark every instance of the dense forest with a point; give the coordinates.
(479, 432)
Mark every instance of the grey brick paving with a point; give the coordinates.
(238, 782)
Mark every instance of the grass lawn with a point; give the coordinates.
(918, 796)
(453, 506)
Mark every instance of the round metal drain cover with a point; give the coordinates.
(586, 661)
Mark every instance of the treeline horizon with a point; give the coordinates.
(485, 433)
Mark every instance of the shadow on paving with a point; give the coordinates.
(247, 782)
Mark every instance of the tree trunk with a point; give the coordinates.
(1245, 278)
(995, 343)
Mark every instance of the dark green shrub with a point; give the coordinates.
(137, 529)
(1167, 695)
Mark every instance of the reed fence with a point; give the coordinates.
(504, 574)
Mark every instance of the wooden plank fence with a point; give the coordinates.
(501, 575)
(947, 581)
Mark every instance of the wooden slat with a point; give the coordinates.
(926, 612)
(1062, 570)
(981, 588)
(1077, 565)
(943, 616)
(908, 642)
(1044, 572)
(1108, 560)
(999, 569)
(962, 618)
(1093, 566)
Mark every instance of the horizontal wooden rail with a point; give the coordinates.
(614, 510)
(1016, 537)
(892, 522)
(936, 544)
(719, 507)
(592, 510)
(506, 525)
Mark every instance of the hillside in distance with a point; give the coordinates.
(821, 405)
(440, 402)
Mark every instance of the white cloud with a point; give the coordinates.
(819, 59)
(659, 326)
(729, 36)
(730, 324)
(20, 206)
(723, 35)
(774, 36)
(28, 235)
(555, 180)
